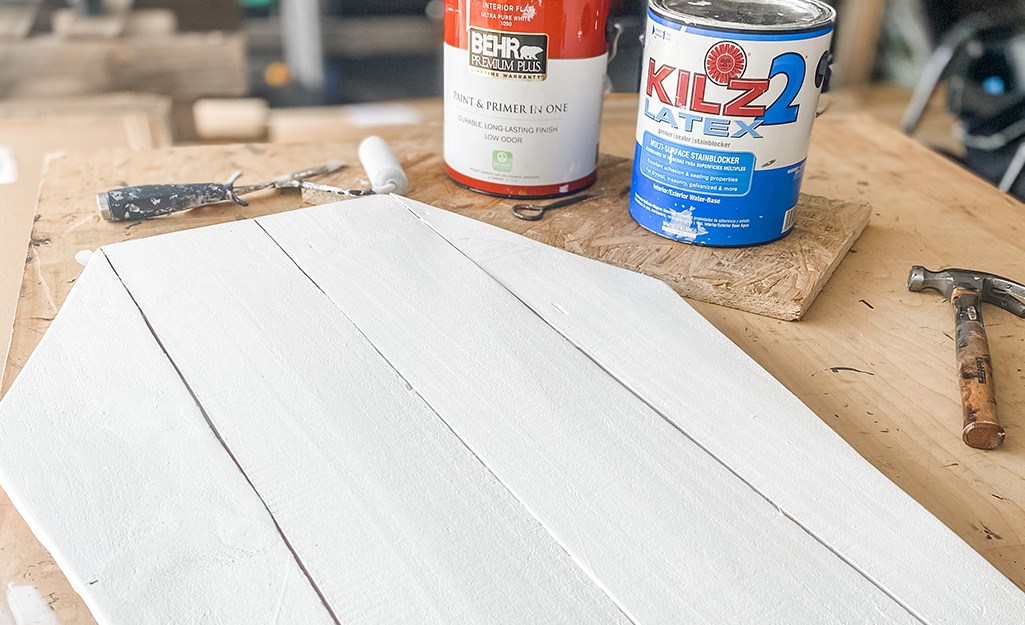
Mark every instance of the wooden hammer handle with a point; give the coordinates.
(975, 372)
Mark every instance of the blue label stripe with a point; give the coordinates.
(758, 217)
(740, 35)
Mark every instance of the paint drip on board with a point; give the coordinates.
(524, 82)
(729, 91)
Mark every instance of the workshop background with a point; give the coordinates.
(303, 53)
(949, 72)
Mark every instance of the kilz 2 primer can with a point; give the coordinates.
(524, 81)
(729, 92)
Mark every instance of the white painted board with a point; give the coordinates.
(437, 421)
(393, 518)
(679, 364)
(670, 533)
(109, 459)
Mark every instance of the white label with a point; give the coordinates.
(8, 166)
(742, 95)
(523, 133)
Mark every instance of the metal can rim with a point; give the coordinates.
(827, 19)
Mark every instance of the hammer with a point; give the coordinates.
(966, 290)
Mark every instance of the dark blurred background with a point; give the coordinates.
(303, 53)
(306, 52)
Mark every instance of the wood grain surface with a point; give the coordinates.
(873, 361)
(393, 518)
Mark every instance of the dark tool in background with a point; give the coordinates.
(153, 200)
(967, 290)
(982, 61)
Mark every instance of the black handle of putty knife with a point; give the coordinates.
(153, 200)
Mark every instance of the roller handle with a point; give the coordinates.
(153, 200)
(975, 372)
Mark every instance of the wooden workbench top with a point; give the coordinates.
(872, 360)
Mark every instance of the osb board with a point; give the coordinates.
(779, 279)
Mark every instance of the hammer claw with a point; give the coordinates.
(1009, 296)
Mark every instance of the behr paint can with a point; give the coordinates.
(524, 81)
(729, 92)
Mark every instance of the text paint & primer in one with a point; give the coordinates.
(729, 91)
(524, 81)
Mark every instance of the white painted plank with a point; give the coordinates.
(670, 533)
(759, 429)
(395, 520)
(108, 458)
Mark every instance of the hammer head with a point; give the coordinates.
(998, 291)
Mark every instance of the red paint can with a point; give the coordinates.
(524, 81)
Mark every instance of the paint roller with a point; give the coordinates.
(153, 200)
(383, 169)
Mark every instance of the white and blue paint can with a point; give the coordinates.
(729, 92)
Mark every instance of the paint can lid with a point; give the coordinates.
(775, 16)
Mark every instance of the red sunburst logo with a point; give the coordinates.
(725, 60)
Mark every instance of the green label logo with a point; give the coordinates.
(501, 160)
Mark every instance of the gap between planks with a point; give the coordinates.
(676, 426)
(875, 582)
(754, 445)
(592, 359)
(220, 439)
(115, 497)
(299, 227)
(539, 568)
(780, 526)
